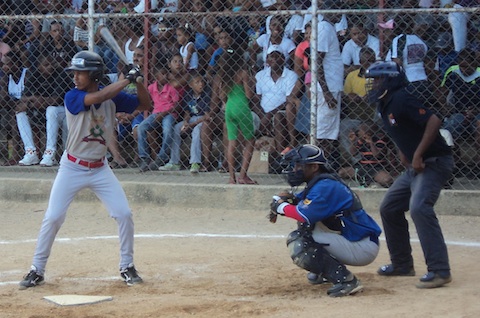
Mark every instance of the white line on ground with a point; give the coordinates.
(193, 235)
(110, 278)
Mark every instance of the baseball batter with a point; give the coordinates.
(90, 112)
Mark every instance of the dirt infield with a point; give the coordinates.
(213, 263)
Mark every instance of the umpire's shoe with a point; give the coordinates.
(393, 270)
(32, 279)
(346, 288)
(434, 279)
(130, 275)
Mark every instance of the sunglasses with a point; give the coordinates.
(164, 29)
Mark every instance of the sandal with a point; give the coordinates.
(246, 180)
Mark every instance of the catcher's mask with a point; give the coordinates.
(302, 155)
(88, 61)
(382, 78)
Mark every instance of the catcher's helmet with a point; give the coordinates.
(387, 77)
(88, 61)
(305, 154)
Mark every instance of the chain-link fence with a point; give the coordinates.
(231, 81)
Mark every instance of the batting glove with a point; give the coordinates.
(134, 75)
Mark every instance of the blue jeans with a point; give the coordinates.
(150, 123)
(417, 192)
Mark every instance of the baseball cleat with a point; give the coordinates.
(346, 288)
(392, 270)
(130, 275)
(32, 279)
(434, 280)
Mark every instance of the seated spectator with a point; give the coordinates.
(165, 106)
(359, 38)
(369, 143)
(446, 55)
(461, 92)
(187, 47)
(127, 123)
(12, 88)
(44, 88)
(134, 37)
(293, 24)
(224, 41)
(355, 107)
(278, 87)
(256, 27)
(195, 104)
(57, 44)
(275, 39)
(165, 43)
(301, 63)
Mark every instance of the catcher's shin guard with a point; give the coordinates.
(312, 256)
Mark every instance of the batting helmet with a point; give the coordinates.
(88, 61)
(387, 77)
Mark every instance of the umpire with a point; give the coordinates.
(429, 164)
(334, 229)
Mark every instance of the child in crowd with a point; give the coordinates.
(165, 101)
(187, 48)
(370, 144)
(224, 41)
(195, 104)
(234, 84)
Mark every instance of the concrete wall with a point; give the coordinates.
(238, 197)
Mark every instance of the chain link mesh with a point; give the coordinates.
(226, 100)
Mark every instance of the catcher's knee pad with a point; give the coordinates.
(312, 256)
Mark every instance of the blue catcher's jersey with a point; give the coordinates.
(328, 198)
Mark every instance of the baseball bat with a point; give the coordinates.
(113, 44)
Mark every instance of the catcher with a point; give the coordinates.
(333, 230)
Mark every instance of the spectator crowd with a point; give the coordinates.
(224, 84)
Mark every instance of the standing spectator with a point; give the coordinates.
(278, 88)
(165, 106)
(195, 104)
(429, 163)
(330, 77)
(187, 47)
(235, 84)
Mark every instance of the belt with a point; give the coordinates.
(88, 164)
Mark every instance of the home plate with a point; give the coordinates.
(73, 300)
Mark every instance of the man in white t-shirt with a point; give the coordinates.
(330, 78)
(278, 87)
